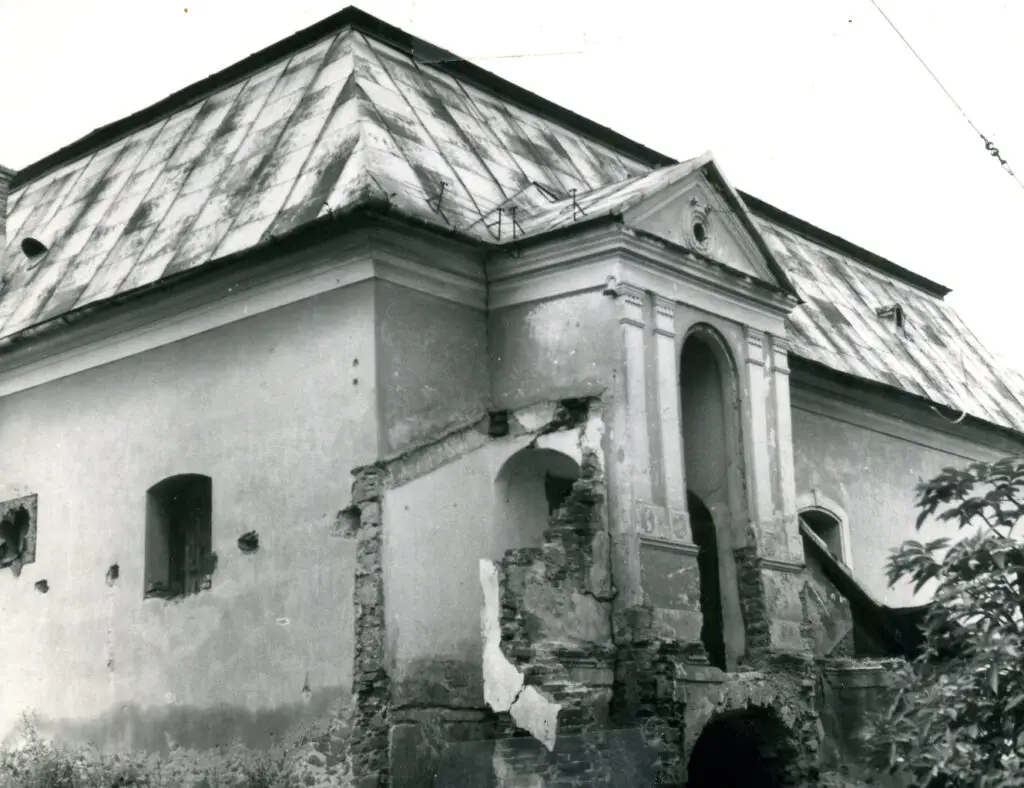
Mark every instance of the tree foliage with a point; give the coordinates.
(958, 714)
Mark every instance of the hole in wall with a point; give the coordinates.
(42, 586)
(112, 574)
(497, 426)
(347, 522)
(14, 535)
(249, 542)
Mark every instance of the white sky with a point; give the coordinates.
(813, 105)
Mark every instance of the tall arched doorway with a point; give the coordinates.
(712, 455)
(712, 634)
(747, 748)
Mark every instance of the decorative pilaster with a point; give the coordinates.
(632, 321)
(758, 464)
(769, 583)
(670, 418)
(784, 429)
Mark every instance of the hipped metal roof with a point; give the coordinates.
(353, 111)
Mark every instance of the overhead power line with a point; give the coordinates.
(993, 151)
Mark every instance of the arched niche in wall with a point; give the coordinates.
(713, 461)
(529, 488)
(750, 747)
(829, 522)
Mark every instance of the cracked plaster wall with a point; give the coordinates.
(437, 526)
(265, 407)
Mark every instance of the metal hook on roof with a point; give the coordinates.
(575, 205)
(439, 197)
(515, 223)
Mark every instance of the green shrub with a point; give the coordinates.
(36, 762)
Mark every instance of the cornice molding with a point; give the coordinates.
(779, 565)
(590, 260)
(228, 297)
(669, 545)
(833, 405)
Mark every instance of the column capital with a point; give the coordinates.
(780, 355)
(755, 345)
(631, 299)
(664, 316)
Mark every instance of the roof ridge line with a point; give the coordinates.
(349, 17)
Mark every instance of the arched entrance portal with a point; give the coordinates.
(713, 462)
(712, 633)
(748, 748)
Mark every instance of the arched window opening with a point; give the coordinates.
(750, 748)
(531, 486)
(827, 528)
(711, 458)
(179, 537)
(712, 633)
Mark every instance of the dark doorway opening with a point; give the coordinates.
(712, 633)
(742, 749)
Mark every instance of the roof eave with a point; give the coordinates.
(847, 379)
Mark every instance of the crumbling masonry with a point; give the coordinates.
(570, 700)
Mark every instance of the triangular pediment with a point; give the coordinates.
(702, 212)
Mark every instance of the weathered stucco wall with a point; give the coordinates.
(546, 350)
(432, 365)
(871, 473)
(276, 409)
(437, 527)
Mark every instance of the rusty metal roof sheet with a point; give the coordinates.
(350, 111)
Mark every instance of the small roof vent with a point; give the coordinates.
(893, 312)
(33, 248)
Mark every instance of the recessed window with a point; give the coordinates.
(17, 533)
(827, 528)
(179, 537)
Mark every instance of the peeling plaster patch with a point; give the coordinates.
(535, 713)
(593, 434)
(502, 682)
(533, 417)
(564, 441)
